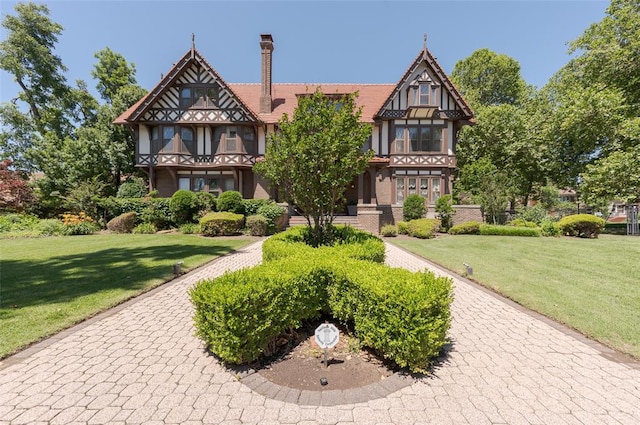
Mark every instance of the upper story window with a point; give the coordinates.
(198, 96)
(173, 139)
(418, 139)
(233, 139)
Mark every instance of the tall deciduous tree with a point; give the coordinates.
(315, 155)
(113, 73)
(595, 98)
(487, 78)
(504, 134)
(28, 55)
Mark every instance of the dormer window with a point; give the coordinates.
(424, 90)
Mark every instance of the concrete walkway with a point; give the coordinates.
(140, 363)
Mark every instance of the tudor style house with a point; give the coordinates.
(195, 131)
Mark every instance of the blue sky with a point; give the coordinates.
(315, 41)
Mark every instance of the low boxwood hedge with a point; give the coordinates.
(221, 224)
(498, 230)
(423, 228)
(402, 315)
(468, 228)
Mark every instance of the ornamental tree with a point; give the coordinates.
(314, 156)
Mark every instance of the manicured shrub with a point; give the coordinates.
(499, 230)
(204, 202)
(389, 230)
(190, 228)
(423, 228)
(145, 229)
(414, 207)
(221, 224)
(133, 187)
(231, 201)
(257, 225)
(518, 222)
(50, 227)
(124, 223)
(251, 205)
(403, 228)
(402, 315)
(183, 206)
(158, 213)
(548, 227)
(468, 228)
(445, 211)
(276, 216)
(581, 225)
(350, 243)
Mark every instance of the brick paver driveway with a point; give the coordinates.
(140, 363)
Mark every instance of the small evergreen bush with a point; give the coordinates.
(190, 229)
(257, 225)
(519, 222)
(221, 224)
(423, 228)
(414, 207)
(124, 223)
(581, 225)
(50, 227)
(133, 187)
(389, 230)
(444, 209)
(145, 229)
(158, 213)
(204, 202)
(500, 230)
(403, 228)
(548, 227)
(251, 205)
(468, 228)
(231, 201)
(276, 216)
(183, 206)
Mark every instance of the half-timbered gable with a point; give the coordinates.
(417, 126)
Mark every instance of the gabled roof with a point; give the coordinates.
(434, 66)
(285, 96)
(190, 57)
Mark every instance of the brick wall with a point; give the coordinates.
(465, 213)
(369, 218)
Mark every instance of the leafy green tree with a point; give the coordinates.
(28, 55)
(113, 73)
(445, 211)
(315, 155)
(489, 187)
(594, 129)
(488, 78)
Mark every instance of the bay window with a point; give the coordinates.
(410, 182)
(419, 138)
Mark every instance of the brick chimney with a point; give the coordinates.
(266, 44)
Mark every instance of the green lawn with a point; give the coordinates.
(592, 285)
(48, 284)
